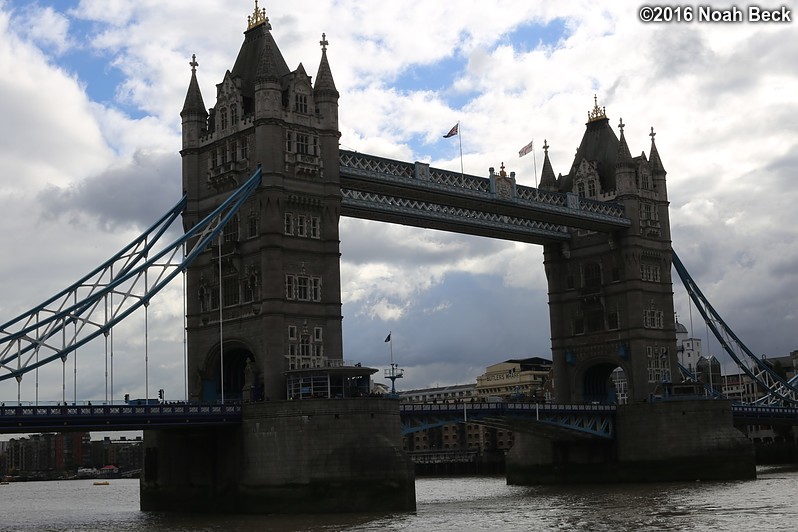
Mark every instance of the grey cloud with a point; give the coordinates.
(135, 195)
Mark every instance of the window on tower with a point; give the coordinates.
(223, 118)
(304, 345)
(252, 225)
(303, 288)
(645, 181)
(613, 318)
(302, 144)
(230, 291)
(234, 114)
(244, 151)
(288, 227)
(231, 229)
(592, 275)
(650, 272)
(653, 319)
(314, 227)
(301, 103)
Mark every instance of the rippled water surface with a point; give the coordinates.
(456, 504)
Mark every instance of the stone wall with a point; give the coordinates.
(654, 442)
(319, 456)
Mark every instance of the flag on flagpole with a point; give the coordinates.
(452, 132)
(388, 338)
(526, 149)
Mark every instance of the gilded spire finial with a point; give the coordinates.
(501, 170)
(194, 63)
(546, 146)
(257, 18)
(620, 125)
(598, 113)
(323, 42)
(652, 134)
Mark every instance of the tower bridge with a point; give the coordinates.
(265, 185)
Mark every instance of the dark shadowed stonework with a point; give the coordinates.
(321, 456)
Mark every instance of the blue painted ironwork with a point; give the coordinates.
(779, 390)
(426, 212)
(766, 415)
(594, 421)
(21, 419)
(80, 313)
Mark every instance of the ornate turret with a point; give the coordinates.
(547, 179)
(324, 91)
(653, 158)
(625, 181)
(193, 114)
(325, 85)
(596, 153)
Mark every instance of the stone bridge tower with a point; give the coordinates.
(610, 295)
(264, 311)
(271, 303)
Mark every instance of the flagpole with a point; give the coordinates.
(390, 342)
(534, 163)
(460, 139)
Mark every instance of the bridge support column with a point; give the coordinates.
(683, 440)
(654, 442)
(317, 456)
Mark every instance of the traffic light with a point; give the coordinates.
(160, 394)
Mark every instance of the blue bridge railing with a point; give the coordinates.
(60, 418)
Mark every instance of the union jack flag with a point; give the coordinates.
(452, 132)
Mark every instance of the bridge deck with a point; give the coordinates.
(414, 194)
(22, 419)
(60, 418)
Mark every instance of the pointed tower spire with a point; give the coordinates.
(625, 178)
(547, 179)
(271, 65)
(653, 159)
(624, 158)
(194, 106)
(325, 86)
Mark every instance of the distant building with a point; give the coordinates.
(64, 454)
(483, 447)
(519, 379)
(708, 372)
(441, 394)
(688, 348)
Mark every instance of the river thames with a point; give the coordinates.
(453, 503)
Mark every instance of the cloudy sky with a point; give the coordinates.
(90, 98)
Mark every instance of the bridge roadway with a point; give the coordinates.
(571, 421)
(61, 418)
